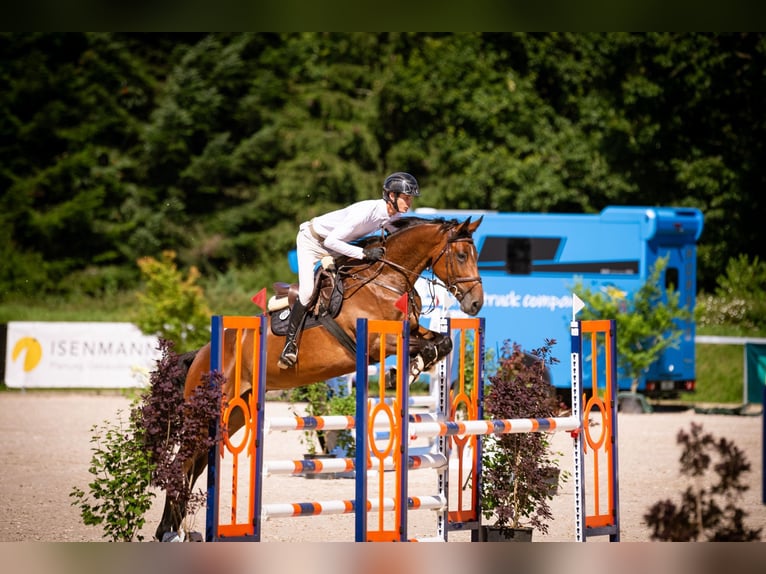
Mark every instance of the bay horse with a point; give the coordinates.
(368, 290)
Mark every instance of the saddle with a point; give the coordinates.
(327, 300)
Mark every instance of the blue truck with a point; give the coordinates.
(530, 263)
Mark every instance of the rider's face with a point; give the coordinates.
(402, 202)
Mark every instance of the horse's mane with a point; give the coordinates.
(402, 224)
(398, 226)
(411, 221)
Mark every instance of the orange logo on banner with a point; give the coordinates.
(33, 349)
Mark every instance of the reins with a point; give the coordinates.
(451, 283)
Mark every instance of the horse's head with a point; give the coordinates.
(445, 246)
(457, 265)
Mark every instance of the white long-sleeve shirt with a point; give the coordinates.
(350, 223)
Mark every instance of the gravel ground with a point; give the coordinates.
(45, 449)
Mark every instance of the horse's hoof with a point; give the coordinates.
(416, 367)
(172, 537)
(390, 378)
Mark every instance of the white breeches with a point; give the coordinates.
(309, 251)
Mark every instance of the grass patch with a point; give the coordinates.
(118, 307)
(720, 374)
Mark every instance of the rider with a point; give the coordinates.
(332, 234)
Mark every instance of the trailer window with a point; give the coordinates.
(671, 278)
(518, 256)
(537, 255)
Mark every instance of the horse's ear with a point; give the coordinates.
(475, 225)
(466, 228)
(462, 228)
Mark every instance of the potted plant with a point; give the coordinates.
(520, 473)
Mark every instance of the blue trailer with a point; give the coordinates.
(530, 263)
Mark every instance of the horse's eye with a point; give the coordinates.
(462, 257)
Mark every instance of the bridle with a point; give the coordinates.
(452, 282)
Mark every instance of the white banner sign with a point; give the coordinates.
(78, 355)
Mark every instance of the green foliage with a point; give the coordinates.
(22, 272)
(646, 324)
(73, 113)
(344, 403)
(317, 397)
(321, 401)
(708, 510)
(119, 146)
(737, 308)
(171, 306)
(155, 448)
(119, 494)
(739, 299)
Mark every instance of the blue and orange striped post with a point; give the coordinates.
(602, 515)
(396, 446)
(465, 400)
(245, 519)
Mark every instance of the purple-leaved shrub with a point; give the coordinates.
(708, 508)
(178, 431)
(518, 468)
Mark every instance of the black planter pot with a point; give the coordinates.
(494, 534)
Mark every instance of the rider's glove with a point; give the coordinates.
(374, 253)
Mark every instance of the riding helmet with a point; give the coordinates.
(401, 182)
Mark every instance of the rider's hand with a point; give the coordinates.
(328, 263)
(374, 253)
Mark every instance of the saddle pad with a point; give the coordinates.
(280, 317)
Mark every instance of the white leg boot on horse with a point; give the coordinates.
(289, 355)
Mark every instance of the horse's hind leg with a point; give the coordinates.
(168, 523)
(172, 518)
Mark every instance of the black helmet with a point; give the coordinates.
(401, 182)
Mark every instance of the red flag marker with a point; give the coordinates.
(260, 299)
(402, 303)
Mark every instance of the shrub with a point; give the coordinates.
(344, 403)
(164, 435)
(172, 307)
(323, 400)
(119, 492)
(739, 299)
(708, 510)
(517, 468)
(177, 431)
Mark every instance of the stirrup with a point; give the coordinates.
(289, 357)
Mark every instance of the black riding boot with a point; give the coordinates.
(290, 353)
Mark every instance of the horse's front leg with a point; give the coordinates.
(426, 349)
